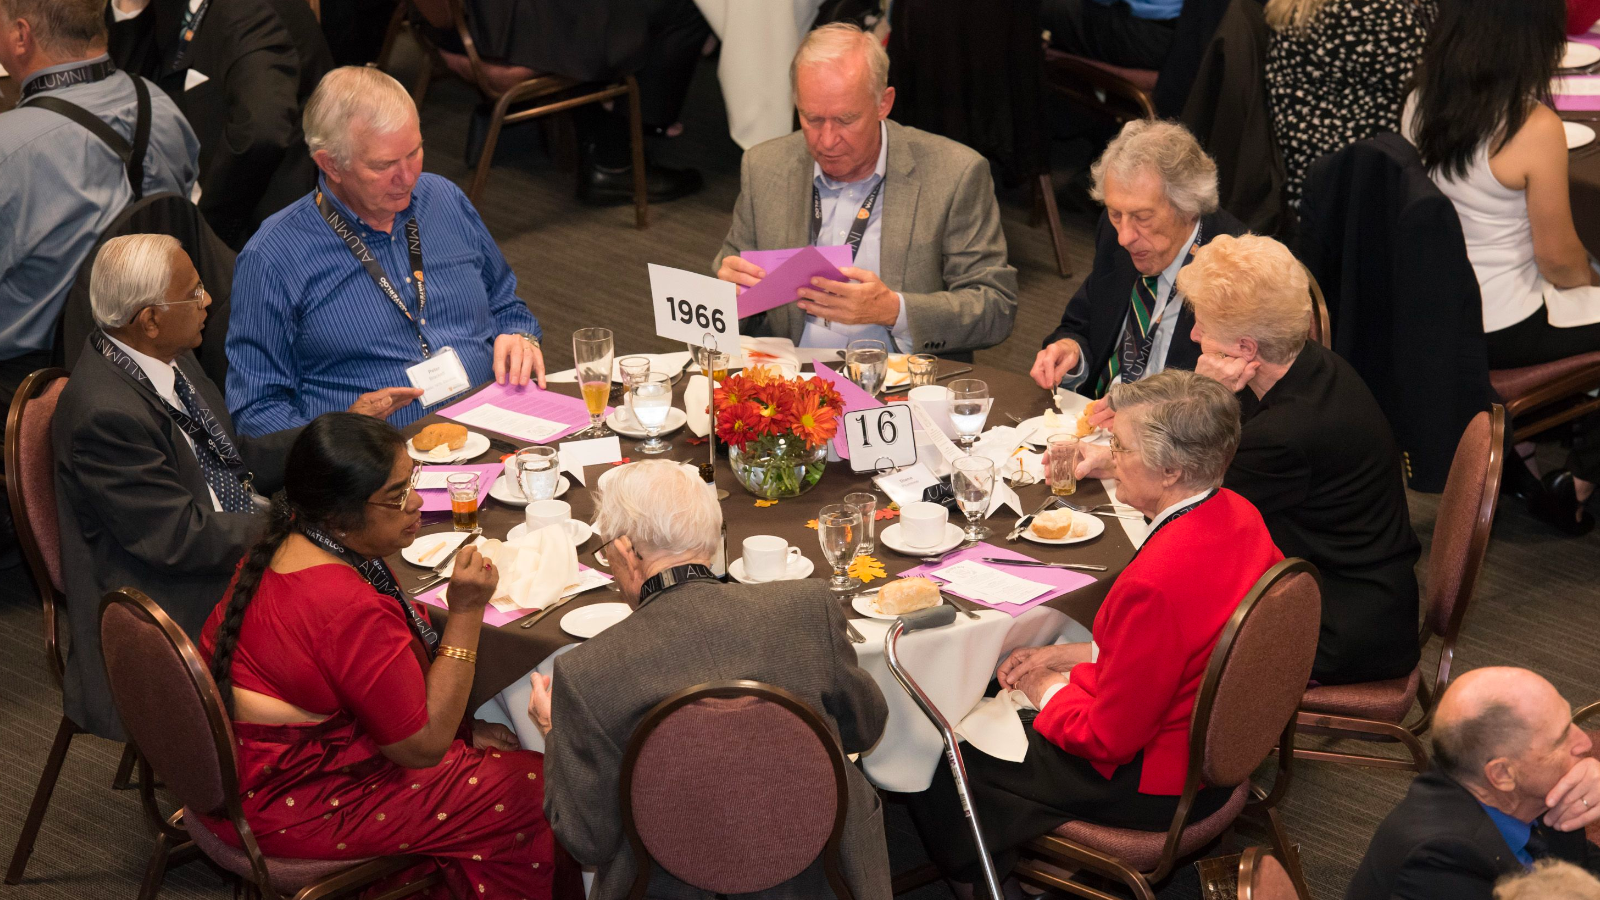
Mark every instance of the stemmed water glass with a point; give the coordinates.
(538, 472)
(591, 356)
(839, 532)
(650, 402)
(867, 364)
(972, 481)
(969, 409)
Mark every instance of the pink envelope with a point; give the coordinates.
(787, 272)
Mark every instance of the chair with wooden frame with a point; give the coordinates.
(1321, 329)
(1376, 711)
(1118, 93)
(174, 713)
(761, 760)
(30, 460)
(1557, 391)
(509, 85)
(1252, 682)
(1263, 877)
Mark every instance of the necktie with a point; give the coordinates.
(1133, 353)
(1538, 846)
(232, 494)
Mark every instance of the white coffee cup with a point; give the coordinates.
(547, 512)
(767, 557)
(922, 524)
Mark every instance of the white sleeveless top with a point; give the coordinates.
(1494, 220)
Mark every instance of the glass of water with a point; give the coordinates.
(867, 363)
(972, 481)
(538, 473)
(969, 409)
(867, 505)
(839, 532)
(650, 401)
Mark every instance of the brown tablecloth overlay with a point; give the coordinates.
(1583, 175)
(508, 653)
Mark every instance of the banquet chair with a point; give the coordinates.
(173, 711)
(508, 85)
(1118, 93)
(760, 758)
(1539, 398)
(1321, 328)
(30, 461)
(1377, 710)
(1245, 705)
(1263, 877)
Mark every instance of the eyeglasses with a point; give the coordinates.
(198, 296)
(1116, 446)
(599, 552)
(405, 498)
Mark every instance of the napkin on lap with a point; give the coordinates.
(994, 727)
(535, 569)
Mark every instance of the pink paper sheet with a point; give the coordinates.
(529, 400)
(787, 272)
(438, 499)
(854, 399)
(1061, 581)
(491, 616)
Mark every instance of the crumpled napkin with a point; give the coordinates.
(697, 404)
(994, 727)
(535, 569)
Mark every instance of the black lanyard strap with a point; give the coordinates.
(345, 230)
(1176, 514)
(858, 228)
(186, 37)
(54, 81)
(377, 573)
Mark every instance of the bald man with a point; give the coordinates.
(1512, 783)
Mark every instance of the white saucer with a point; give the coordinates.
(1578, 54)
(863, 604)
(476, 446)
(1097, 527)
(799, 568)
(890, 537)
(622, 422)
(1578, 135)
(418, 553)
(588, 621)
(509, 493)
(579, 531)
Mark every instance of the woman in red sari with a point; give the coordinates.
(348, 704)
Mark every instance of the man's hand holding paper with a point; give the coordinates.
(864, 301)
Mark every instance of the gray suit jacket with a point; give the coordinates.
(135, 512)
(789, 634)
(943, 249)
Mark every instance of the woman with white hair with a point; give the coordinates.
(1110, 743)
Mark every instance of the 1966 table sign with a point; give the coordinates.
(879, 435)
(690, 306)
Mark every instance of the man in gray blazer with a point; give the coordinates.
(153, 487)
(662, 526)
(917, 210)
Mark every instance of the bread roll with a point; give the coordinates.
(1084, 428)
(446, 434)
(905, 595)
(1057, 524)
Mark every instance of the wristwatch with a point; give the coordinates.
(529, 338)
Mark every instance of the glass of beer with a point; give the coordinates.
(591, 356)
(463, 499)
(1061, 463)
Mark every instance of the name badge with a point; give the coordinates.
(440, 376)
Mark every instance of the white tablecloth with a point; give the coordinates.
(759, 38)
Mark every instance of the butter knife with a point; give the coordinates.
(1025, 521)
(1087, 567)
(533, 620)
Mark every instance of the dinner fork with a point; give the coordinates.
(935, 560)
(1117, 510)
(856, 637)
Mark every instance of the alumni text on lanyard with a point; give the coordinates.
(858, 228)
(346, 232)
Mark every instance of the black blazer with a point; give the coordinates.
(135, 512)
(262, 59)
(1316, 457)
(1439, 844)
(1095, 314)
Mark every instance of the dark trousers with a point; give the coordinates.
(1533, 341)
(677, 32)
(1111, 34)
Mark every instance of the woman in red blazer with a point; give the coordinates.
(1110, 742)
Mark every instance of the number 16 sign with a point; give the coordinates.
(690, 306)
(879, 435)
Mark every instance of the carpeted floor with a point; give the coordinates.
(578, 266)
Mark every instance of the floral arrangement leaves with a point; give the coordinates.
(867, 568)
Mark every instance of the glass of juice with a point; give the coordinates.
(592, 352)
(463, 499)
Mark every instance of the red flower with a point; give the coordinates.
(814, 421)
(739, 423)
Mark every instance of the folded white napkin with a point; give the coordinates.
(535, 569)
(697, 404)
(994, 727)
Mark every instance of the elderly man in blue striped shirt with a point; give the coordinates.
(378, 270)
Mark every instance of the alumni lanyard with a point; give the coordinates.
(345, 230)
(1177, 514)
(376, 573)
(186, 36)
(858, 228)
(51, 81)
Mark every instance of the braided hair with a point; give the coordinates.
(336, 463)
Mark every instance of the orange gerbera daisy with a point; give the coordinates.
(739, 424)
(814, 420)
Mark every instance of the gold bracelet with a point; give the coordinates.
(461, 653)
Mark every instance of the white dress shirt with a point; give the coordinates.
(163, 376)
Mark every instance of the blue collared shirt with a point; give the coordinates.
(1514, 830)
(1159, 10)
(310, 331)
(60, 187)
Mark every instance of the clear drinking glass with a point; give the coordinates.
(538, 473)
(867, 505)
(1061, 458)
(463, 499)
(650, 402)
(867, 363)
(972, 481)
(839, 532)
(969, 409)
(591, 355)
(922, 368)
(633, 369)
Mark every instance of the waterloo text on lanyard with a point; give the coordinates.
(858, 228)
(346, 232)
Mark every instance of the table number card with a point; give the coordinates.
(690, 306)
(880, 438)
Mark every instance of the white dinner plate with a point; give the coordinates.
(864, 603)
(428, 550)
(622, 422)
(588, 621)
(1097, 526)
(509, 493)
(799, 568)
(476, 446)
(891, 538)
(579, 531)
(1578, 134)
(1578, 54)
(1035, 431)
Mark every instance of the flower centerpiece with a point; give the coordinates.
(777, 430)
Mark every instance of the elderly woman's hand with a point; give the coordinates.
(539, 702)
(1094, 461)
(1037, 682)
(472, 582)
(1051, 657)
(493, 736)
(1232, 371)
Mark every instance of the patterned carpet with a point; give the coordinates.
(579, 266)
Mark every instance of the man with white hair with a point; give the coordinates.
(380, 269)
(662, 525)
(917, 211)
(154, 488)
(1512, 784)
(1127, 319)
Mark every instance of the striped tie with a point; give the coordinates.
(1133, 353)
